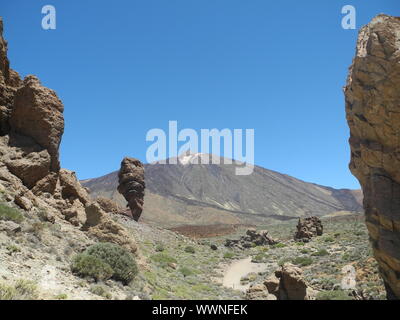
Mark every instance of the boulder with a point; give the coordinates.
(132, 185)
(259, 292)
(372, 95)
(286, 284)
(292, 285)
(308, 228)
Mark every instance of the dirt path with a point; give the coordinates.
(239, 269)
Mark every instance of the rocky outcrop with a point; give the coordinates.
(102, 227)
(131, 185)
(109, 206)
(373, 113)
(286, 284)
(307, 228)
(251, 239)
(38, 113)
(292, 285)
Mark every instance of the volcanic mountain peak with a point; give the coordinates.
(190, 193)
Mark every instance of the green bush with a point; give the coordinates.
(229, 255)
(259, 258)
(320, 253)
(333, 295)
(85, 265)
(302, 261)
(186, 271)
(101, 291)
(160, 247)
(9, 213)
(190, 249)
(163, 259)
(279, 245)
(105, 260)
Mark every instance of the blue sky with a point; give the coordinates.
(122, 68)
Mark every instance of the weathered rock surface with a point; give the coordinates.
(286, 284)
(373, 114)
(102, 227)
(259, 292)
(37, 113)
(252, 238)
(131, 185)
(307, 228)
(109, 206)
(292, 285)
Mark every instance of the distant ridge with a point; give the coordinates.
(200, 194)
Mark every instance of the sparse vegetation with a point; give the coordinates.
(100, 290)
(190, 249)
(302, 261)
(163, 259)
(186, 271)
(10, 214)
(12, 248)
(228, 255)
(160, 247)
(21, 290)
(278, 245)
(333, 295)
(320, 253)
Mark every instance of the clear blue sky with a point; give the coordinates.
(124, 67)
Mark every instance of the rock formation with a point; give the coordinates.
(101, 226)
(31, 128)
(109, 206)
(307, 228)
(252, 238)
(131, 185)
(286, 284)
(373, 114)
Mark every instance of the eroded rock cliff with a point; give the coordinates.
(373, 114)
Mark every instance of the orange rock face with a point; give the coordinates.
(373, 114)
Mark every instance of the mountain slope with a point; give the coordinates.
(188, 193)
